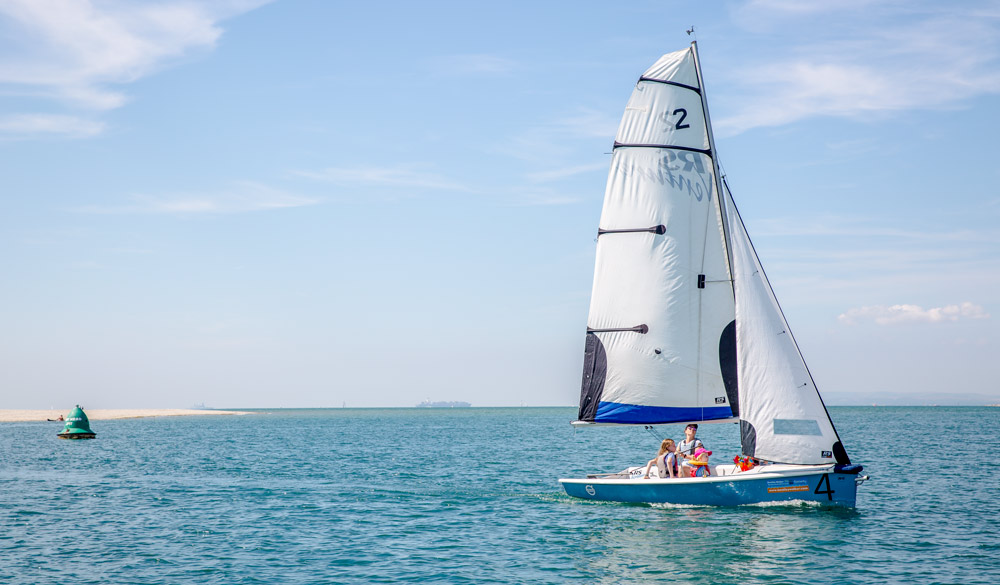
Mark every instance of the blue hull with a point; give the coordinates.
(824, 485)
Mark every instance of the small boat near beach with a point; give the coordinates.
(684, 326)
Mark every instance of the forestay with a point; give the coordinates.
(783, 417)
(661, 335)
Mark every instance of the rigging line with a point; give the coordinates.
(701, 300)
(652, 431)
(717, 179)
(760, 268)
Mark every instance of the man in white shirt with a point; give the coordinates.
(685, 449)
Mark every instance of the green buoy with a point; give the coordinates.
(77, 426)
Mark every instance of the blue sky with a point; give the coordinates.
(306, 204)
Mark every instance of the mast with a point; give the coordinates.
(733, 227)
(717, 175)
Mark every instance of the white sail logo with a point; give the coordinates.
(682, 170)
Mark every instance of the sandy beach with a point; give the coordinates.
(107, 414)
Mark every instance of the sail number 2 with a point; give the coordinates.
(679, 123)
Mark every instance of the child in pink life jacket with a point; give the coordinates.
(699, 462)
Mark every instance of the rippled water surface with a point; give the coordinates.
(470, 496)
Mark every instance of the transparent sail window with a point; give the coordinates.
(797, 426)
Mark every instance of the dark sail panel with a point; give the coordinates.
(595, 369)
(841, 454)
(727, 365)
(748, 439)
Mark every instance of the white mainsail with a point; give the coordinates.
(782, 416)
(661, 340)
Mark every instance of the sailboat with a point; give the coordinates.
(684, 326)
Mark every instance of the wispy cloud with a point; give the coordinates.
(865, 227)
(78, 53)
(399, 176)
(35, 125)
(556, 174)
(587, 122)
(557, 139)
(845, 261)
(897, 314)
(535, 196)
(779, 8)
(471, 64)
(893, 57)
(244, 197)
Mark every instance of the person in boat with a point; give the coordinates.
(699, 463)
(687, 447)
(665, 461)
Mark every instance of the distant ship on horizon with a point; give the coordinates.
(443, 404)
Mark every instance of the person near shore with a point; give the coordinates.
(686, 449)
(665, 461)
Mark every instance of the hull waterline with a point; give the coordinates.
(77, 435)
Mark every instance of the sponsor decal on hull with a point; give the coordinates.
(779, 486)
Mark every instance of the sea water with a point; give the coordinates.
(471, 496)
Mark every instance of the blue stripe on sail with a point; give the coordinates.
(614, 412)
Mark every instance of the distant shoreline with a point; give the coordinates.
(444, 404)
(25, 415)
(7, 415)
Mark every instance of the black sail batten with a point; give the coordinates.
(706, 151)
(673, 83)
(656, 229)
(637, 329)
